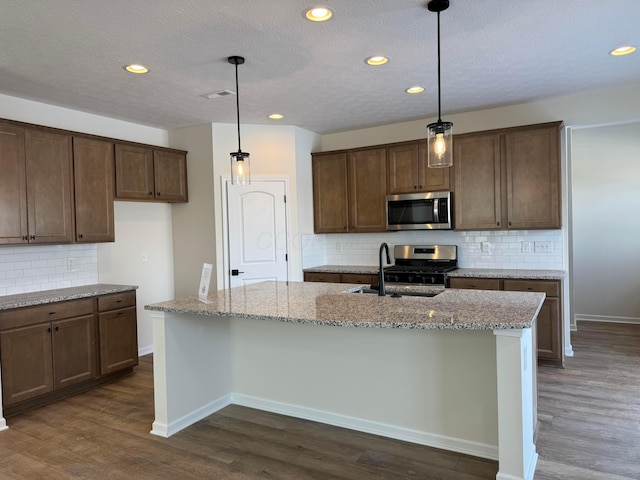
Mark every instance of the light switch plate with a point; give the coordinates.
(485, 246)
(542, 247)
(526, 247)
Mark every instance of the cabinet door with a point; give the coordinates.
(134, 173)
(402, 168)
(49, 187)
(549, 334)
(93, 179)
(25, 355)
(74, 350)
(330, 194)
(13, 193)
(533, 178)
(431, 179)
(477, 167)
(170, 175)
(118, 340)
(367, 190)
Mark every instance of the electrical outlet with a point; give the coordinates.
(542, 247)
(144, 256)
(71, 263)
(526, 247)
(485, 247)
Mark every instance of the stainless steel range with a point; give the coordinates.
(422, 264)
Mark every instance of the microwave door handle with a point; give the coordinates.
(436, 217)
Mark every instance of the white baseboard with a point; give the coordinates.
(368, 426)
(3, 424)
(145, 351)
(579, 317)
(568, 351)
(164, 430)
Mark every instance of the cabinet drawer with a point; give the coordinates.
(322, 277)
(117, 300)
(357, 278)
(475, 283)
(550, 287)
(45, 313)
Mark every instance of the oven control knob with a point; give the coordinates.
(410, 278)
(433, 280)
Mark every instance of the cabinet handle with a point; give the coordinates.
(57, 329)
(509, 223)
(150, 193)
(25, 238)
(49, 330)
(498, 223)
(159, 194)
(118, 301)
(80, 235)
(52, 313)
(120, 313)
(32, 237)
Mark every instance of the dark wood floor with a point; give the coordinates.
(589, 412)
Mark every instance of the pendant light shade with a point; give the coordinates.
(240, 161)
(439, 134)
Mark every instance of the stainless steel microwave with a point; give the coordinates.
(419, 211)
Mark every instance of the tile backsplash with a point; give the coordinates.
(35, 268)
(491, 249)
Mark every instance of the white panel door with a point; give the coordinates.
(257, 232)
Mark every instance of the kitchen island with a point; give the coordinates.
(455, 371)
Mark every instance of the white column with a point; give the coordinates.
(191, 369)
(517, 456)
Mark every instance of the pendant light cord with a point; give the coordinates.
(238, 107)
(439, 113)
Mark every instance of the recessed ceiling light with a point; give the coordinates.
(136, 68)
(318, 14)
(376, 60)
(416, 89)
(624, 50)
(276, 116)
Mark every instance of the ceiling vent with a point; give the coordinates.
(221, 93)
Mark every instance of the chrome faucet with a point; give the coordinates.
(385, 247)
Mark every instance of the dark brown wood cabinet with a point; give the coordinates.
(13, 184)
(51, 351)
(508, 179)
(45, 348)
(36, 194)
(549, 327)
(330, 193)
(93, 172)
(144, 173)
(118, 328)
(49, 187)
(407, 170)
(367, 190)
(336, 277)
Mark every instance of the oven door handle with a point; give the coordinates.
(436, 216)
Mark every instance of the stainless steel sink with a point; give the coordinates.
(400, 292)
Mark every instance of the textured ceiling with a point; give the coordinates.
(494, 52)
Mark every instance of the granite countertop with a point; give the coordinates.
(9, 302)
(334, 304)
(460, 272)
(507, 273)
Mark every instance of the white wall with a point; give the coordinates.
(605, 165)
(137, 225)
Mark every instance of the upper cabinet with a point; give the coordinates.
(36, 191)
(508, 179)
(330, 193)
(367, 190)
(349, 190)
(407, 170)
(144, 173)
(93, 174)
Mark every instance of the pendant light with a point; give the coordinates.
(240, 161)
(439, 134)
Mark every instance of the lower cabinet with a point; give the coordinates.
(333, 277)
(549, 323)
(54, 350)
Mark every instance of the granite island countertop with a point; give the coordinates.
(336, 304)
(9, 302)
